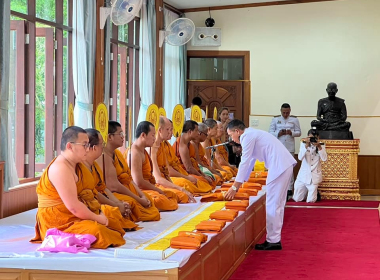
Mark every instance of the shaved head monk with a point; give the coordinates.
(177, 170)
(66, 196)
(221, 153)
(200, 155)
(186, 152)
(141, 168)
(104, 195)
(161, 165)
(119, 180)
(212, 130)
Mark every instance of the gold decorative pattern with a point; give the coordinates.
(340, 171)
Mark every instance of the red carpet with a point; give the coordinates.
(337, 203)
(324, 243)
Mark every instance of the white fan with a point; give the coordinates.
(178, 33)
(121, 11)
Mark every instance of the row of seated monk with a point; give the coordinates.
(93, 188)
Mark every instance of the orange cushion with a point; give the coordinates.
(224, 215)
(184, 242)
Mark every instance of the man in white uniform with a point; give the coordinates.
(261, 145)
(196, 101)
(285, 128)
(310, 175)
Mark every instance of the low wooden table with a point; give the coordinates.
(340, 171)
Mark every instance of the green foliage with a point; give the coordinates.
(19, 6)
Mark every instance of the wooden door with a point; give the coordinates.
(218, 94)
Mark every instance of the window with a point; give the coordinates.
(124, 93)
(41, 80)
(215, 68)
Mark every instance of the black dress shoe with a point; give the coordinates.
(269, 246)
(318, 196)
(289, 195)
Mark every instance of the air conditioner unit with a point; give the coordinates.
(207, 37)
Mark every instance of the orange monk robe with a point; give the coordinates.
(124, 176)
(97, 174)
(202, 185)
(193, 159)
(221, 150)
(162, 164)
(52, 212)
(172, 195)
(218, 179)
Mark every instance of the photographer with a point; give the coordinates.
(310, 175)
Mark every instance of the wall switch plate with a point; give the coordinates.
(254, 122)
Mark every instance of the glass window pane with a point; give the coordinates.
(65, 79)
(20, 6)
(123, 33)
(40, 101)
(65, 12)
(220, 68)
(45, 9)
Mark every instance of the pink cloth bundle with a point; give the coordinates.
(59, 241)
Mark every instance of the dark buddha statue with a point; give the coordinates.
(331, 116)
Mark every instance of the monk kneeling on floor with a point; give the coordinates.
(66, 196)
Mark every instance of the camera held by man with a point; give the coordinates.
(312, 153)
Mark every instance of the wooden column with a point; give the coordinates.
(99, 60)
(159, 54)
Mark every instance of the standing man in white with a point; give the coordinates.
(196, 101)
(285, 128)
(261, 145)
(310, 175)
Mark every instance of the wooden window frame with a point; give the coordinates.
(54, 87)
(129, 75)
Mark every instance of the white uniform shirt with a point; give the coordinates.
(261, 145)
(311, 167)
(292, 123)
(188, 114)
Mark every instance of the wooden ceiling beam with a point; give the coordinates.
(253, 5)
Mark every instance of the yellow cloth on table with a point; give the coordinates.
(164, 238)
(259, 166)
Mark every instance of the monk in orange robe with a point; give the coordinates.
(165, 199)
(66, 197)
(118, 177)
(202, 161)
(209, 130)
(177, 170)
(161, 167)
(185, 151)
(104, 195)
(221, 154)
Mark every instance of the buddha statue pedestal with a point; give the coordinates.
(340, 171)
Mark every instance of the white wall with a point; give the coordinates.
(296, 50)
